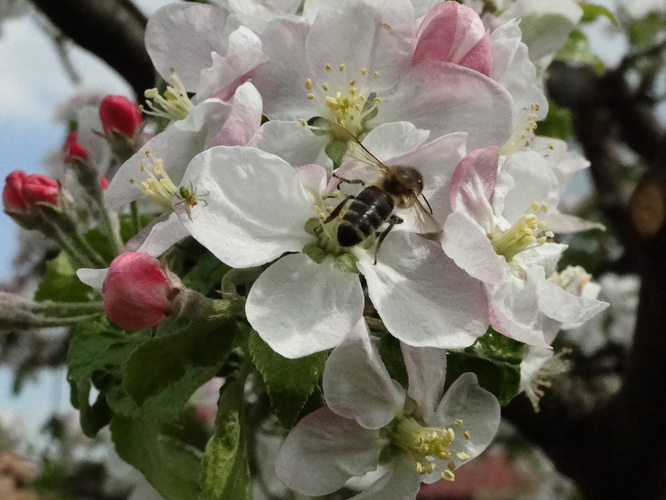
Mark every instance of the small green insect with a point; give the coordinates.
(190, 198)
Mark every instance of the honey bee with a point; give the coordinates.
(397, 187)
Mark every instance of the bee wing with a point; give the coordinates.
(418, 219)
(357, 162)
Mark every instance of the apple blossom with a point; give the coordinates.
(539, 366)
(72, 150)
(260, 207)
(422, 434)
(209, 50)
(497, 233)
(317, 68)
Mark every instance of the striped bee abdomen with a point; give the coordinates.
(364, 215)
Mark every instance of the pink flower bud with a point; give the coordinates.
(137, 291)
(22, 192)
(120, 114)
(103, 183)
(72, 150)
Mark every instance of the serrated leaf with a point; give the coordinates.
(60, 282)
(170, 465)
(162, 373)
(577, 50)
(289, 382)
(592, 11)
(495, 359)
(225, 472)
(100, 346)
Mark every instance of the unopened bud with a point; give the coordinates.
(138, 292)
(103, 183)
(119, 114)
(72, 150)
(23, 194)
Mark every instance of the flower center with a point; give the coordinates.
(425, 444)
(173, 105)
(325, 234)
(159, 187)
(348, 107)
(527, 232)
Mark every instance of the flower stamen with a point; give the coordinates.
(173, 105)
(527, 232)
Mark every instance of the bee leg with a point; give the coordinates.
(336, 211)
(393, 220)
(348, 181)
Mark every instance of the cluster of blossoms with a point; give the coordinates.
(281, 118)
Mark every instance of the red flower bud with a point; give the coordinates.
(120, 114)
(72, 150)
(23, 192)
(103, 183)
(137, 291)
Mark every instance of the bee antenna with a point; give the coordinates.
(426, 202)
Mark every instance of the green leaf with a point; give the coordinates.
(643, 33)
(495, 359)
(206, 275)
(94, 417)
(289, 382)
(127, 226)
(60, 282)
(162, 373)
(577, 50)
(98, 346)
(225, 473)
(592, 11)
(558, 123)
(169, 464)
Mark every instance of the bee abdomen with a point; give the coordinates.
(364, 215)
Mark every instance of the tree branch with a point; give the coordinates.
(113, 30)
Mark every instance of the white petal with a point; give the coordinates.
(446, 98)
(183, 36)
(465, 242)
(324, 450)
(257, 207)
(92, 277)
(400, 482)
(357, 385)
(426, 369)
(164, 235)
(423, 298)
(391, 140)
(293, 142)
(479, 411)
(300, 307)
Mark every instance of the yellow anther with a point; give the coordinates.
(302, 122)
(364, 71)
(458, 421)
(311, 96)
(466, 434)
(352, 83)
(448, 476)
(132, 181)
(377, 99)
(342, 67)
(376, 75)
(325, 86)
(462, 456)
(451, 465)
(308, 84)
(329, 68)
